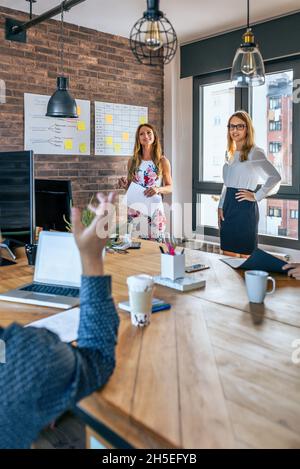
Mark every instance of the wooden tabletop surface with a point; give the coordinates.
(212, 372)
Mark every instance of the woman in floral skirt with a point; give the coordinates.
(149, 168)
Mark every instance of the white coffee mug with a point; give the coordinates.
(256, 284)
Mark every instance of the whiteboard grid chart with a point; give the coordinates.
(115, 127)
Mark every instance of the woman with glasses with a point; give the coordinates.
(246, 165)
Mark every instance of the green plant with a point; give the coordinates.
(86, 217)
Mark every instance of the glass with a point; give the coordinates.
(277, 217)
(272, 106)
(207, 210)
(237, 126)
(216, 106)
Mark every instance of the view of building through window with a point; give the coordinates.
(218, 105)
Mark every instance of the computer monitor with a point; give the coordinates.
(53, 201)
(17, 213)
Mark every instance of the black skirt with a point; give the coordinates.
(239, 230)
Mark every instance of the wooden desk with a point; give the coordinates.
(212, 372)
(209, 373)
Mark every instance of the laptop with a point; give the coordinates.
(57, 274)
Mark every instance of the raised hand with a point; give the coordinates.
(89, 243)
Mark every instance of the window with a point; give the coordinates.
(218, 104)
(275, 218)
(272, 110)
(275, 125)
(276, 119)
(294, 214)
(274, 212)
(274, 147)
(274, 102)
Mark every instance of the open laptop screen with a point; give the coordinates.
(58, 260)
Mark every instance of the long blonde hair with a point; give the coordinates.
(249, 142)
(138, 152)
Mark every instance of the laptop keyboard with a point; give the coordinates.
(53, 290)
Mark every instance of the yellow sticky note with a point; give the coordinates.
(142, 120)
(117, 148)
(108, 118)
(81, 125)
(108, 140)
(125, 136)
(82, 147)
(78, 110)
(68, 144)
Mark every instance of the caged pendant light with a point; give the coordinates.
(61, 103)
(153, 39)
(248, 65)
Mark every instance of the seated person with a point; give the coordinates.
(294, 269)
(42, 377)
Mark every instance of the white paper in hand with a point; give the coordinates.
(64, 324)
(136, 200)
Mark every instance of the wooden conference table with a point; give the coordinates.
(212, 372)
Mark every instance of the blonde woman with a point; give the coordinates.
(151, 169)
(245, 166)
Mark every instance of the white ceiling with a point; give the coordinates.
(192, 19)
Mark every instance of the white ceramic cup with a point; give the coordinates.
(256, 285)
(140, 299)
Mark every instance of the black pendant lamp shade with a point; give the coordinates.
(153, 39)
(61, 103)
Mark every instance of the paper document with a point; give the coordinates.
(234, 262)
(64, 324)
(136, 200)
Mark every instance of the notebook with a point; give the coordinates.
(157, 305)
(57, 274)
(259, 260)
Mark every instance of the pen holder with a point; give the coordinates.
(172, 267)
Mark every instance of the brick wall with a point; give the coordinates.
(100, 66)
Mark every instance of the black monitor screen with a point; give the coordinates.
(17, 195)
(53, 200)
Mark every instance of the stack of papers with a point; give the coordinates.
(181, 284)
(64, 324)
(136, 200)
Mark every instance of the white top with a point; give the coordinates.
(247, 174)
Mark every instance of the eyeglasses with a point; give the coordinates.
(237, 126)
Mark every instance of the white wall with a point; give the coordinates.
(178, 96)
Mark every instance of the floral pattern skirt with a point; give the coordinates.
(152, 228)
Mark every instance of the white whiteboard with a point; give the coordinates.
(115, 127)
(52, 135)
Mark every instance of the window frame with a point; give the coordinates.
(243, 100)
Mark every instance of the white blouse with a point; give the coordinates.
(247, 174)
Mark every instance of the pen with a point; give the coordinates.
(182, 251)
(161, 250)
